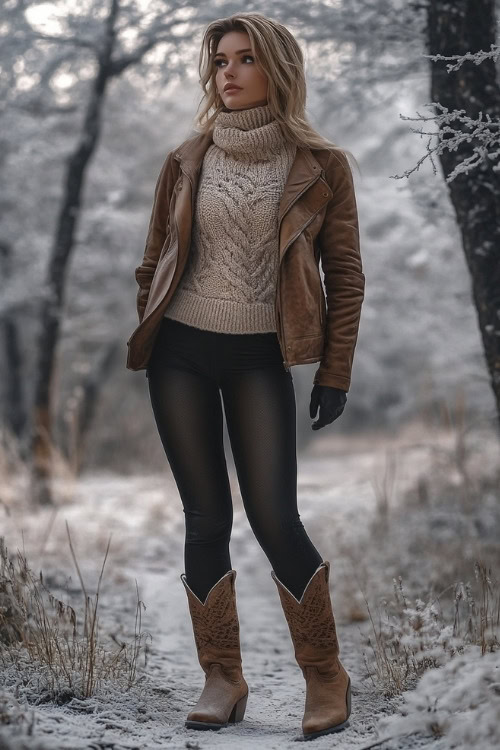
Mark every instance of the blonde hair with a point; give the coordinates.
(281, 59)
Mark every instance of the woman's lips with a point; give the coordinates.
(232, 90)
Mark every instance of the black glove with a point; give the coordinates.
(331, 402)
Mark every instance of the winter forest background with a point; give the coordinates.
(405, 483)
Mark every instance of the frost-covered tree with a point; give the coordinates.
(104, 42)
(465, 94)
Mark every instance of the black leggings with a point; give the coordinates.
(188, 369)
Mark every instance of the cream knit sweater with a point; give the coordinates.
(229, 283)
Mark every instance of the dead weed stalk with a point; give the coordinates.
(43, 635)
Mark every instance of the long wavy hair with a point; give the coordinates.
(280, 58)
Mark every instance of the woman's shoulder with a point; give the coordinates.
(331, 156)
(336, 163)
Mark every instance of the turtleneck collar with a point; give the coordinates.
(244, 132)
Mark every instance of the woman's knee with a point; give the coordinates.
(208, 529)
(283, 533)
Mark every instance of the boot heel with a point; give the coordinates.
(348, 698)
(238, 711)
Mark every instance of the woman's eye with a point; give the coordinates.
(217, 63)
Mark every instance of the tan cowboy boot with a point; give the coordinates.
(312, 628)
(217, 637)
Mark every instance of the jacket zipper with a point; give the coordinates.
(286, 364)
(177, 158)
(192, 207)
(176, 224)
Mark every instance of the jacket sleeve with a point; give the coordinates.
(158, 232)
(343, 275)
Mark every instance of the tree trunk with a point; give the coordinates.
(454, 29)
(78, 427)
(52, 307)
(53, 302)
(15, 416)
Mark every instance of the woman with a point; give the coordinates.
(230, 296)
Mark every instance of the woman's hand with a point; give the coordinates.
(331, 402)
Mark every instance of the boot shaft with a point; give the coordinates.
(310, 620)
(216, 625)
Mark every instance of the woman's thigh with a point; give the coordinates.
(187, 408)
(260, 413)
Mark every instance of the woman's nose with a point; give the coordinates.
(227, 69)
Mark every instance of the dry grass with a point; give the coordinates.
(435, 535)
(42, 635)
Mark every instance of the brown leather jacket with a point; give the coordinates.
(317, 220)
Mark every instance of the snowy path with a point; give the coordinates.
(143, 514)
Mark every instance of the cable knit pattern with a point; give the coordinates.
(229, 283)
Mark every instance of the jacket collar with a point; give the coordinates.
(304, 171)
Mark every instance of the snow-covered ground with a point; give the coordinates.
(362, 529)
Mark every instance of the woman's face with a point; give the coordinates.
(236, 65)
